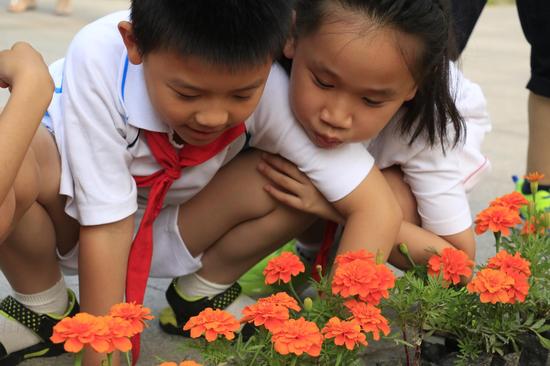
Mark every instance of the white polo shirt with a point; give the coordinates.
(101, 103)
(440, 181)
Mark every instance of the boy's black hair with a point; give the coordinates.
(233, 33)
(433, 106)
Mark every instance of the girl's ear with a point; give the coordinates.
(412, 93)
(127, 33)
(290, 43)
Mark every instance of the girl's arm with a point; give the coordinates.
(24, 72)
(371, 226)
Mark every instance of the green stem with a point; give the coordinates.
(266, 337)
(78, 359)
(109, 359)
(497, 241)
(128, 360)
(294, 361)
(339, 359)
(295, 294)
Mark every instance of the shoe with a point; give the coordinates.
(253, 281)
(542, 197)
(173, 318)
(19, 6)
(41, 324)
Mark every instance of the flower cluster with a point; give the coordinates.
(505, 279)
(359, 283)
(453, 263)
(104, 334)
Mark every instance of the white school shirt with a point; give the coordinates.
(439, 182)
(100, 104)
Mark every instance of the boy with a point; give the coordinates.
(145, 125)
(31, 212)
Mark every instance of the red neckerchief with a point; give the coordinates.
(322, 255)
(172, 163)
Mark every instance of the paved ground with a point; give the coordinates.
(497, 58)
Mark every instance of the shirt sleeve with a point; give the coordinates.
(436, 182)
(273, 128)
(97, 179)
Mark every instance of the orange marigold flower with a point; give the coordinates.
(368, 280)
(282, 268)
(120, 332)
(212, 323)
(497, 218)
(183, 363)
(298, 336)
(510, 263)
(493, 286)
(271, 316)
(80, 330)
(534, 176)
(513, 201)
(348, 257)
(136, 314)
(344, 332)
(369, 317)
(453, 262)
(283, 299)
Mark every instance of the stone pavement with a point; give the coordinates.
(497, 57)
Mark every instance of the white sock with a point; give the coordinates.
(195, 286)
(15, 336)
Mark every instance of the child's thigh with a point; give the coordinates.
(235, 195)
(7, 213)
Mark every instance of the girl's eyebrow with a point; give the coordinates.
(382, 93)
(185, 85)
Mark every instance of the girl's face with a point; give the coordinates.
(347, 83)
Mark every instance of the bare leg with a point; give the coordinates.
(235, 223)
(539, 129)
(422, 244)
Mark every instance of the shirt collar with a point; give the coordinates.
(135, 99)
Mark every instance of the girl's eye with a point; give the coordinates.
(320, 83)
(371, 103)
(242, 97)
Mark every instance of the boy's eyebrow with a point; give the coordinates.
(186, 85)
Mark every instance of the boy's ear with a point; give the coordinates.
(127, 33)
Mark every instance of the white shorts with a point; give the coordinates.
(473, 164)
(170, 255)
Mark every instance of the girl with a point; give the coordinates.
(379, 72)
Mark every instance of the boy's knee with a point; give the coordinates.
(7, 213)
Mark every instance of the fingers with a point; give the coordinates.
(280, 178)
(285, 166)
(285, 198)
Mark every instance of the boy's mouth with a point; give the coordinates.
(326, 142)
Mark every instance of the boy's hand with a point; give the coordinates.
(23, 65)
(293, 188)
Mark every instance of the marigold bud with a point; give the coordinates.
(404, 249)
(308, 304)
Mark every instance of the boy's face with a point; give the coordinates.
(345, 86)
(198, 100)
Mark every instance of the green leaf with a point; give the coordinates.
(545, 342)
(538, 324)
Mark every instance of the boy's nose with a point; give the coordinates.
(212, 118)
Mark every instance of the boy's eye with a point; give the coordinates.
(372, 103)
(187, 96)
(321, 84)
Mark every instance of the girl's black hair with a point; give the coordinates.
(433, 106)
(233, 33)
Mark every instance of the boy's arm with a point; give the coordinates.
(103, 260)
(23, 70)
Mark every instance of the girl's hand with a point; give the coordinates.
(293, 188)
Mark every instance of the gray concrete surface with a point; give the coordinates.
(497, 57)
